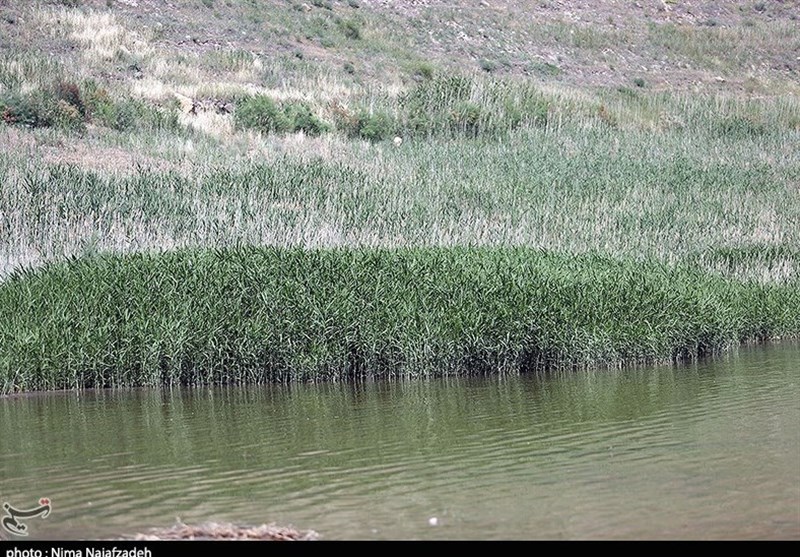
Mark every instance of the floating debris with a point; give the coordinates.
(232, 532)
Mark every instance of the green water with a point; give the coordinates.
(709, 451)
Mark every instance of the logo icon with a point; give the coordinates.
(12, 522)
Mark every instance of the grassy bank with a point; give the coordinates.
(557, 176)
(249, 315)
(666, 195)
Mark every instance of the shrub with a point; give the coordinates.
(263, 114)
(301, 118)
(260, 113)
(20, 110)
(429, 104)
(376, 126)
(95, 99)
(739, 127)
(606, 116)
(40, 109)
(531, 108)
(350, 28)
(343, 119)
(543, 69)
(437, 94)
(455, 105)
(372, 126)
(66, 116)
(71, 94)
(422, 71)
(489, 65)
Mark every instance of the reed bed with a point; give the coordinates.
(670, 195)
(254, 315)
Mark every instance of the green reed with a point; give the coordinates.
(627, 193)
(253, 315)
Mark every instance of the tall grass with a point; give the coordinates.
(666, 195)
(250, 315)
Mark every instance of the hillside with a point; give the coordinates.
(342, 57)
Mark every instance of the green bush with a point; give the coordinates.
(376, 126)
(66, 116)
(422, 71)
(263, 114)
(489, 65)
(70, 93)
(129, 114)
(40, 109)
(437, 94)
(363, 124)
(456, 105)
(20, 110)
(532, 109)
(94, 98)
(301, 118)
(260, 113)
(428, 106)
(542, 69)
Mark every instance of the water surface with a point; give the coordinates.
(707, 451)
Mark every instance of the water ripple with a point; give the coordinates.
(706, 451)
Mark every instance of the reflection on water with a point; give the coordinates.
(706, 451)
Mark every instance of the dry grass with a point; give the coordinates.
(101, 35)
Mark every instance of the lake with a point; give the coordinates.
(702, 451)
